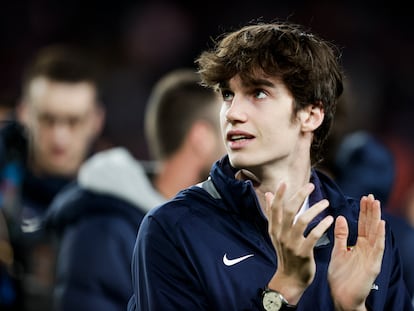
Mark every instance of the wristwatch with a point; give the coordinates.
(274, 301)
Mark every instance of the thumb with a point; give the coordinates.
(341, 234)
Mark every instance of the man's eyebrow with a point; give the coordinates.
(249, 83)
(224, 85)
(260, 82)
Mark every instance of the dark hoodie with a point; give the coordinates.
(96, 221)
(364, 165)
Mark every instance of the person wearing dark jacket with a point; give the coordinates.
(56, 122)
(267, 231)
(364, 164)
(96, 221)
(97, 218)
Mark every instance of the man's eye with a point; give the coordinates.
(46, 119)
(260, 94)
(227, 95)
(73, 122)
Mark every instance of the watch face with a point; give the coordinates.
(272, 301)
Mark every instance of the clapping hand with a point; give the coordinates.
(352, 270)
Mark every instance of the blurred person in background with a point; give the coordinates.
(96, 219)
(402, 197)
(58, 119)
(7, 109)
(362, 163)
(8, 283)
(182, 132)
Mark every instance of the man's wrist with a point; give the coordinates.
(274, 301)
(289, 288)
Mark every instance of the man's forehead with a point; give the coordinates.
(49, 95)
(37, 86)
(42, 85)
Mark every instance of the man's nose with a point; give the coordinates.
(237, 109)
(61, 131)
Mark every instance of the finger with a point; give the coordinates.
(362, 229)
(294, 204)
(274, 206)
(368, 219)
(371, 223)
(341, 235)
(379, 247)
(280, 193)
(304, 219)
(269, 197)
(316, 233)
(375, 209)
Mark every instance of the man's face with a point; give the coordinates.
(257, 123)
(62, 120)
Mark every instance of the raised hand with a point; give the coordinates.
(352, 270)
(296, 265)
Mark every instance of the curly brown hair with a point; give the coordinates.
(306, 64)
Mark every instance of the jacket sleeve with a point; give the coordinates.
(389, 291)
(162, 277)
(93, 271)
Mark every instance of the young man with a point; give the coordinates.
(267, 231)
(97, 219)
(58, 119)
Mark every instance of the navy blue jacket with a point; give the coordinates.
(179, 257)
(96, 221)
(97, 233)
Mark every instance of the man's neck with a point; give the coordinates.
(176, 174)
(270, 178)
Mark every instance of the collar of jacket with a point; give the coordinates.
(239, 197)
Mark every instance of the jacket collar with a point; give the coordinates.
(239, 197)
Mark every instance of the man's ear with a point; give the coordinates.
(100, 119)
(311, 117)
(202, 138)
(22, 113)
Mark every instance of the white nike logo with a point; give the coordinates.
(30, 225)
(231, 262)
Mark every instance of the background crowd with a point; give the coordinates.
(136, 42)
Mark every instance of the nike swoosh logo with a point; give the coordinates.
(30, 225)
(230, 262)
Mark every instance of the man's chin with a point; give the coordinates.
(60, 169)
